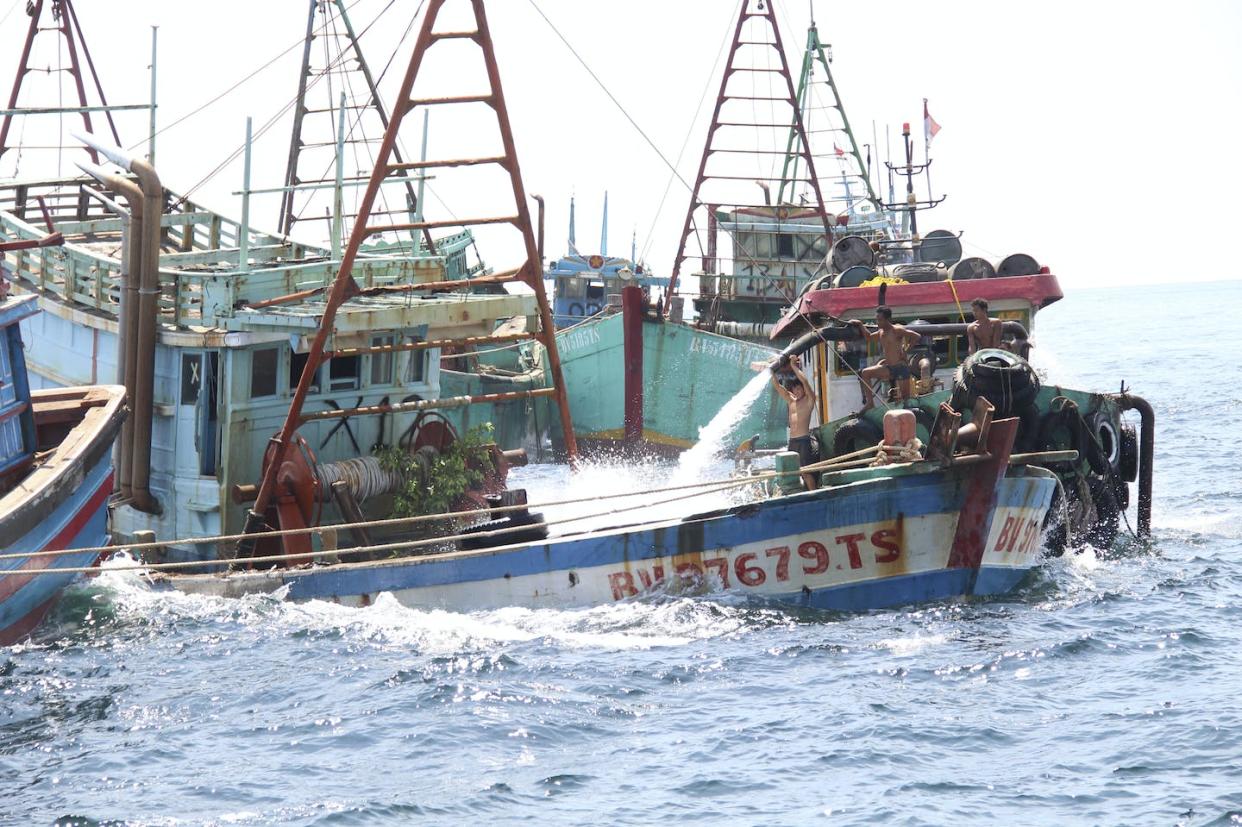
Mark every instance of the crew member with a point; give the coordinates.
(796, 390)
(893, 341)
(984, 331)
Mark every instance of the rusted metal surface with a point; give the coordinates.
(65, 22)
(440, 404)
(974, 520)
(761, 10)
(530, 272)
(632, 316)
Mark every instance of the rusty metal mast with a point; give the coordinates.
(765, 35)
(344, 285)
(65, 22)
(336, 62)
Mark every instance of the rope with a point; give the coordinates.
(397, 546)
(956, 300)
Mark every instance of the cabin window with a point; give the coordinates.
(297, 364)
(575, 288)
(191, 377)
(344, 373)
(595, 291)
(784, 246)
(416, 371)
(381, 363)
(264, 365)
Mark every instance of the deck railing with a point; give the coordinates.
(200, 276)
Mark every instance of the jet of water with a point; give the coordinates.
(715, 435)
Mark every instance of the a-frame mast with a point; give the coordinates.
(763, 12)
(65, 23)
(343, 286)
(347, 39)
(815, 54)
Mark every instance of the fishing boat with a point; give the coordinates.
(55, 478)
(889, 525)
(208, 322)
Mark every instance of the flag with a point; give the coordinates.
(837, 149)
(930, 127)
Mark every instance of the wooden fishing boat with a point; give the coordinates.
(950, 524)
(866, 539)
(55, 479)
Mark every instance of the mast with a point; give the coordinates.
(345, 40)
(343, 286)
(816, 53)
(765, 36)
(64, 21)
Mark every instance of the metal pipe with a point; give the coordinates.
(632, 350)
(155, 31)
(147, 323)
(1147, 451)
(127, 316)
(243, 232)
(848, 333)
(539, 228)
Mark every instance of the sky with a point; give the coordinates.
(1098, 137)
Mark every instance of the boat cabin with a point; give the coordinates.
(584, 286)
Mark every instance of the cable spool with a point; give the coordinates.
(940, 246)
(973, 268)
(851, 251)
(364, 476)
(1017, 264)
(854, 276)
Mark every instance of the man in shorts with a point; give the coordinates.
(893, 340)
(984, 331)
(796, 390)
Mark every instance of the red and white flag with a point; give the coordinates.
(838, 149)
(930, 127)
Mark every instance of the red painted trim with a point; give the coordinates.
(632, 319)
(1039, 291)
(975, 519)
(12, 580)
(22, 628)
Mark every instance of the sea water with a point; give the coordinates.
(1104, 691)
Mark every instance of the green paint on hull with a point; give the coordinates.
(688, 376)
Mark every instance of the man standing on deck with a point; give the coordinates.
(984, 331)
(796, 390)
(893, 339)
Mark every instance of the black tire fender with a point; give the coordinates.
(854, 435)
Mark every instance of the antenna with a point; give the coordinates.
(603, 231)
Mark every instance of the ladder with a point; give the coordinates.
(344, 286)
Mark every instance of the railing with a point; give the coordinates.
(201, 278)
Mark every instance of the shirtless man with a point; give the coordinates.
(893, 339)
(983, 332)
(800, 397)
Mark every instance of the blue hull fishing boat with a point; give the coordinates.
(55, 480)
(866, 539)
(884, 525)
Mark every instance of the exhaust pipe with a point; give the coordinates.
(146, 325)
(127, 339)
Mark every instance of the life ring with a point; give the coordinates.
(575, 309)
(855, 435)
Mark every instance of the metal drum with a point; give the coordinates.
(851, 251)
(940, 245)
(973, 268)
(1018, 264)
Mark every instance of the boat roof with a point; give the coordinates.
(600, 266)
(206, 286)
(1038, 291)
(15, 308)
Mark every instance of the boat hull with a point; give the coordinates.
(64, 508)
(865, 545)
(688, 376)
